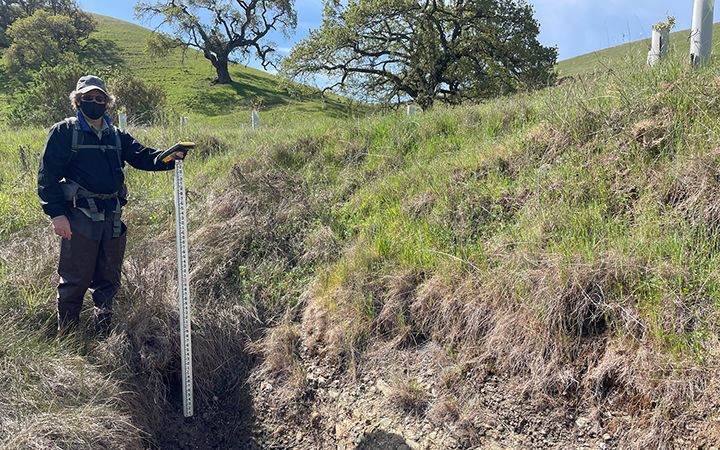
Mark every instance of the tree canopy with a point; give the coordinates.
(425, 50)
(221, 28)
(43, 39)
(12, 10)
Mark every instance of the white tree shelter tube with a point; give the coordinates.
(701, 31)
(659, 45)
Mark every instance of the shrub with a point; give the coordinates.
(45, 99)
(143, 102)
(41, 40)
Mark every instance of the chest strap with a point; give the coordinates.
(78, 142)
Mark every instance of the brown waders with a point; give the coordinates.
(92, 259)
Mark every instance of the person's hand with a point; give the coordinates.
(179, 155)
(61, 227)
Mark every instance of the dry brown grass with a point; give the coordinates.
(444, 410)
(408, 395)
(320, 246)
(547, 142)
(693, 188)
(653, 135)
(340, 338)
(549, 328)
(51, 398)
(393, 320)
(281, 372)
(143, 352)
(341, 334)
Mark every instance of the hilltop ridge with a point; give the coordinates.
(636, 51)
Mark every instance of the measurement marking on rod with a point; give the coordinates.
(183, 289)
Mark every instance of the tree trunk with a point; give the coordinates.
(424, 100)
(221, 67)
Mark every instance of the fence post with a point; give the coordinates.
(701, 32)
(24, 150)
(411, 109)
(122, 120)
(183, 123)
(255, 119)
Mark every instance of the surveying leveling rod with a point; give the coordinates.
(183, 274)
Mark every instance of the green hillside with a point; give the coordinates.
(187, 78)
(603, 60)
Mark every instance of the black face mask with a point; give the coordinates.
(92, 110)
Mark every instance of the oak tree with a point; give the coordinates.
(40, 40)
(221, 28)
(425, 50)
(12, 10)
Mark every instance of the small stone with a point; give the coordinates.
(414, 445)
(606, 437)
(340, 429)
(299, 436)
(451, 441)
(582, 422)
(383, 387)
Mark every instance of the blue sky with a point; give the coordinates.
(576, 27)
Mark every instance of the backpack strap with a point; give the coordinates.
(76, 137)
(118, 143)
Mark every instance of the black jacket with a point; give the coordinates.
(96, 171)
